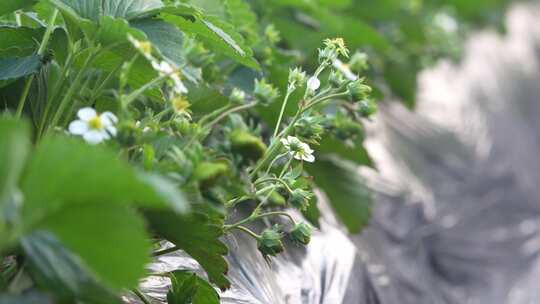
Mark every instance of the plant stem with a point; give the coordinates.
(54, 95)
(283, 106)
(131, 97)
(141, 296)
(165, 251)
(230, 111)
(273, 161)
(254, 217)
(74, 86)
(273, 179)
(41, 50)
(24, 95)
(246, 230)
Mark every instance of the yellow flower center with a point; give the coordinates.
(95, 123)
(146, 47)
(180, 104)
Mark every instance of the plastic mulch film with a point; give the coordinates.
(457, 211)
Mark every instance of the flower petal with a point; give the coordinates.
(93, 137)
(313, 83)
(306, 148)
(111, 130)
(309, 158)
(78, 127)
(108, 119)
(85, 114)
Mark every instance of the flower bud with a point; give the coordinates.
(358, 90)
(309, 128)
(208, 173)
(313, 83)
(367, 108)
(237, 96)
(269, 242)
(297, 77)
(336, 79)
(272, 34)
(265, 92)
(300, 199)
(358, 62)
(345, 128)
(249, 146)
(301, 233)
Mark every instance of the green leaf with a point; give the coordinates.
(9, 6)
(13, 68)
(27, 298)
(95, 9)
(243, 18)
(187, 287)
(216, 34)
(130, 9)
(358, 154)
(18, 41)
(166, 37)
(110, 240)
(198, 235)
(66, 171)
(346, 192)
(14, 146)
(56, 269)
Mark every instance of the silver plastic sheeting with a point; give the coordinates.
(457, 211)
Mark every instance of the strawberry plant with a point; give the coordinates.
(127, 123)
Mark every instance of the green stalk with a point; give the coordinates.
(230, 111)
(283, 106)
(54, 94)
(68, 97)
(165, 251)
(40, 52)
(246, 230)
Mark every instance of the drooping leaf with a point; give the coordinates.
(110, 240)
(197, 234)
(65, 171)
(166, 37)
(56, 269)
(347, 194)
(216, 34)
(18, 41)
(243, 18)
(9, 6)
(187, 287)
(14, 67)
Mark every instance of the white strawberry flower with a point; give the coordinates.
(94, 127)
(165, 68)
(145, 47)
(313, 83)
(298, 149)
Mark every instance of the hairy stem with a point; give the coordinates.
(40, 52)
